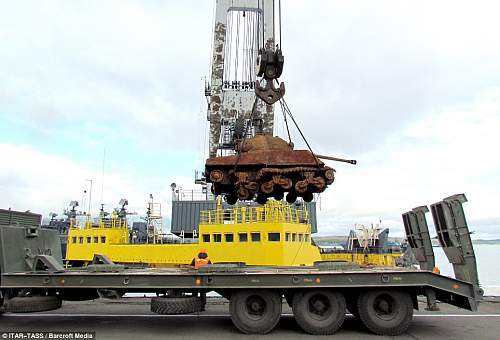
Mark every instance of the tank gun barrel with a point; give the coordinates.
(350, 161)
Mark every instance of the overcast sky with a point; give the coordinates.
(411, 89)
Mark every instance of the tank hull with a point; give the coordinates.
(268, 173)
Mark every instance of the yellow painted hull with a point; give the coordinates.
(262, 252)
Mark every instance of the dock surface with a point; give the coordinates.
(130, 318)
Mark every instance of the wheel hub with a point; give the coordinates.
(384, 307)
(320, 306)
(256, 306)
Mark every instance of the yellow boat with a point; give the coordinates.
(273, 234)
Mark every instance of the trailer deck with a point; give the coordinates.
(452, 291)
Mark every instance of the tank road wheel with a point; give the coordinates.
(267, 187)
(252, 187)
(255, 311)
(319, 312)
(216, 176)
(385, 312)
(29, 304)
(319, 183)
(301, 186)
(330, 176)
(243, 193)
(286, 183)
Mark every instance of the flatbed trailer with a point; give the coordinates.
(382, 298)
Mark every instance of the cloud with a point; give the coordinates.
(357, 72)
(449, 152)
(43, 183)
(119, 62)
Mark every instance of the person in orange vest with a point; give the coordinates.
(201, 260)
(198, 262)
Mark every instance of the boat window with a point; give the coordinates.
(306, 237)
(217, 237)
(294, 237)
(300, 237)
(255, 237)
(89, 239)
(287, 237)
(73, 239)
(81, 239)
(103, 239)
(243, 237)
(229, 237)
(96, 239)
(273, 237)
(206, 237)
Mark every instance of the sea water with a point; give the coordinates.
(488, 265)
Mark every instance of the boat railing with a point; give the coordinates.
(275, 212)
(110, 223)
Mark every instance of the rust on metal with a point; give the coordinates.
(268, 166)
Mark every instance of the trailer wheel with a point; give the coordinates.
(385, 312)
(2, 308)
(176, 305)
(319, 312)
(255, 311)
(29, 304)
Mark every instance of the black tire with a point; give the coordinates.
(2, 307)
(231, 199)
(261, 199)
(319, 312)
(278, 195)
(30, 304)
(385, 312)
(291, 197)
(176, 305)
(308, 197)
(255, 311)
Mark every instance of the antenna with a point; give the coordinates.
(102, 182)
(90, 193)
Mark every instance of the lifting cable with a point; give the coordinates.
(263, 38)
(237, 46)
(286, 123)
(287, 110)
(279, 15)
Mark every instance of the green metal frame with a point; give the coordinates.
(456, 292)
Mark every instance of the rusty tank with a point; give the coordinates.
(267, 166)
